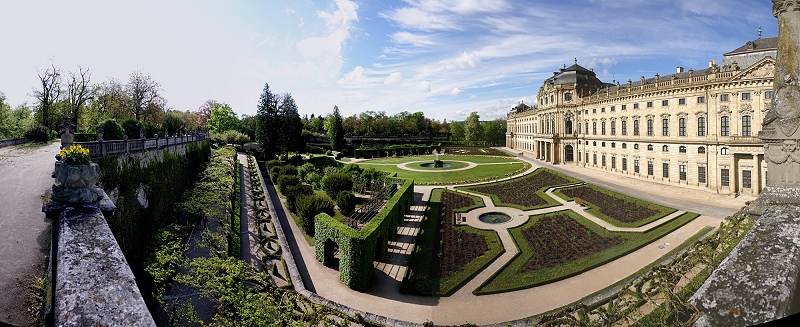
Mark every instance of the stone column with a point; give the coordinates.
(755, 177)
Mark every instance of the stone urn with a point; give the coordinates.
(77, 183)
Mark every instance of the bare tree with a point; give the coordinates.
(49, 94)
(145, 96)
(78, 92)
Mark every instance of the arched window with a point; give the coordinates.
(603, 144)
(665, 148)
(701, 150)
(724, 151)
(649, 147)
(746, 126)
(568, 126)
(624, 145)
(613, 145)
(594, 143)
(682, 149)
(636, 146)
(701, 126)
(724, 126)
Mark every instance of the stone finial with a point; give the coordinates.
(67, 132)
(100, 133)
(141, 131)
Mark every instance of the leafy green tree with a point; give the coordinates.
(267, 123)
(222, 118)
(112, 130)
(174, 122)
(144, 98)
(291, 125)
(456, 131)
(317, 124)
(333, 126)
(473, 131)
(495, 132)
(131, 128)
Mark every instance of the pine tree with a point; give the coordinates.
(291, 127)
(333, 126)
(267, 125)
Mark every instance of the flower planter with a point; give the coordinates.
(77, 176)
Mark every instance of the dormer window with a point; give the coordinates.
(568, 96)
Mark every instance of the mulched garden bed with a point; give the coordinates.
(616, 208)
(457, 248)
(522, 191)
(559, 239)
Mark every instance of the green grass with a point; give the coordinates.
(595, 210)
(418, 278)
(443, 177)
(509, 278)
(540, 193)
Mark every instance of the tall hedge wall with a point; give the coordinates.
(163, 181)
(399, 150)
(358, 249)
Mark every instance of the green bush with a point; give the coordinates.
(313, 178)
(309, 206)
(328, 152)
(335, 183)
(316, 150)
(111, 130)
(274, 172)
(131, 128)
(294, 191)
(352, 170)
(284, 181)
(346, 202)
(306, 168)
(272, 163)
(288, 170)
(345, 153)
(38, 133)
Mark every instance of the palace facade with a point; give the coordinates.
(695, 128)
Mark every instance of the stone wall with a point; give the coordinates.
(10, 142)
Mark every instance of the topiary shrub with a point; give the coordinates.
(38, 133)
(111, 130)
(309, 206)
(306, 168)
(295, 191)
(131, 128)
(284, 181)
(274, 172)
(346, 202)
(314, 179)
(316, 150)
(351, 169)
(272, 163)
(335, 183)
(345, 153)
(288, 170)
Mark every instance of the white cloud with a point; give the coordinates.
(393, 79)
(415, 18)
(601, 63)
(301, 23)
(288, 11)
(455, 92)
(413, 39)
(326, 51)
(424, 87)
(473, 97)
(356, 78)
(464, 61)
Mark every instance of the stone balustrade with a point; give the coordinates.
(10, 142)
(104, 148)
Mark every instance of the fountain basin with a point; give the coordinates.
(494, 218)
(433, 165)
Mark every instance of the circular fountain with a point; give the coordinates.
(494, 218)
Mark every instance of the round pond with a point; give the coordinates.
(494, 218)
(431, 165)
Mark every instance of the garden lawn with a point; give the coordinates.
(525, 193)
(465, 250)
(488, 168)
(513, 276)
(617, 209)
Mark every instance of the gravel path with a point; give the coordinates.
(25, 174)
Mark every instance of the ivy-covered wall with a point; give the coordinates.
(358, 249)
(145, 188)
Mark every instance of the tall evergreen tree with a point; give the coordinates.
(335, 130)
(291, 127)
(268, 122)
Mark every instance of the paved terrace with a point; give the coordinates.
(384, 298)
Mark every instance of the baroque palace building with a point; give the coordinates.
(695, 128)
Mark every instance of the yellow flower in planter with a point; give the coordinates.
(75, 155)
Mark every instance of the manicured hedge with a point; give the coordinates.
(358, 249)
(396, 150)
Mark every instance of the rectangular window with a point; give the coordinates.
(664, 103)
(723, 97)
(701, 175)
(612, 108)
(603, 109)
(747, 179)
(635, 106)
(594, 159)
(701, 126)
(624, 107)
(567, 96)
(745, 125)
(665, 127)
(768, 95)
(624, 164)
(636, 166)
(594, 111)
(636, 127)
(579, 157)
(724, 179)
(724, 127)
(649, 104)
(649, 127)
(682, 171)
(613, 163)
(603, 160)
(682, 127)
(682, 101)
(603, 128)
(701, 99)
(665, 170)
(745, 95)
(649, 168)
(613, 128)
(594, 128)
(624, 127)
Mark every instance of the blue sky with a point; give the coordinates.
(445, 58)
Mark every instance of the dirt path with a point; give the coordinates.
(25, 174)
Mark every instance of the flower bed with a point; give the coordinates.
(559, 239)
(527, 192)
(454, 248)
(618, 209)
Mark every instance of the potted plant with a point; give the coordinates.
(77, 176)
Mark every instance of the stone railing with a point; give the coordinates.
(745, 140)
(10, 142)
(104, 148)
